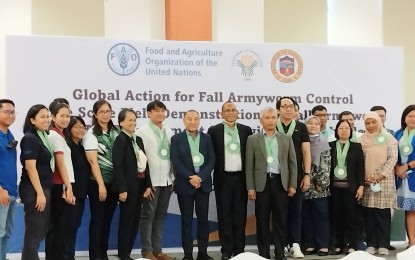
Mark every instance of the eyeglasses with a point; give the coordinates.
(103, 112)
(79, 127)
(287, 107)
(9, 112)
(12, 144)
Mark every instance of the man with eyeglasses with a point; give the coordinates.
(229, 142)
(299, 134)
(321, 112)
(8, 173)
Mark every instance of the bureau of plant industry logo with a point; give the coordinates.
(246, 61)
(286, 65)
(123, 59)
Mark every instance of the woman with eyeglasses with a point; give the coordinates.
(74, 134)
(346, 187)
(131, 180)
(381, 154)
(98, 144)
(36, 179)
(404, 170)
(62, 198)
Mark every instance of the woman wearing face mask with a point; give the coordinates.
(62, 198)
(316, 222)
(346, 187)
(98, 144)
(36, 180)
(131, 180)
(381, 154)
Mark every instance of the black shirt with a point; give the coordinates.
(32, 148)
(81, 168)
(300, 136)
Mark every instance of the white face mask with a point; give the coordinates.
(375, 186)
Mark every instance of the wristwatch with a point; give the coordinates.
(307, 173)
(409, 167)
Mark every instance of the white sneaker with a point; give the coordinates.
(383, 251)
(295, 251)
(371, 250)
(286, 251)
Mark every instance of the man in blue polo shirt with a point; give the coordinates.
(8, 176)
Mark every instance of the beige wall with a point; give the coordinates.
(300, 21)
(398, 30)
(63, 17)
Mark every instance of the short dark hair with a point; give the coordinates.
(318, 108)
(405, 112)
(278, 105)
(344, 113)
(33, 111)
(189, 111)
(227, 102)
(374, 108)
(337, 128)
(72, 122)
(6, 101)
(155, 104)
(61, 100)
(123, 114)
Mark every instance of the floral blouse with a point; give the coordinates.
(320, 178)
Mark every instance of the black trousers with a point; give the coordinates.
(316, 223)
(74, 216)
(378, 224)
(345, 217)
(231, 203)
(199, 202)
(130, 214)
(272, 200)
(295, 206)
(36, 223)
(101, 217)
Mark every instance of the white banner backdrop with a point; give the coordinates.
(201, 76)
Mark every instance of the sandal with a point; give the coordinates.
(336, 251)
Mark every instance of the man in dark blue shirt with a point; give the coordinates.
(8, 176)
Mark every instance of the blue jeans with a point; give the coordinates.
(6, 225)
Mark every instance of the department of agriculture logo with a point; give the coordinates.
(123, 59)
(246, 61)
(287, 65)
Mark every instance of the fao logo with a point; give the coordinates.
(123, 59)
(246, 62)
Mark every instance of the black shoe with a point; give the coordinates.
(187, 257)
(336, 251)
(203, 256)
(310, 252)
(390, 247)
(225, 257)
(323, 253)
(280, 257)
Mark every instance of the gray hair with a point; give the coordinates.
(267, 109)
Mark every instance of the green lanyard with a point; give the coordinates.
(197, 157)
(163, 150)
(405, 145)
(354, 137)
(340, 171)
(233, 146)
(291, 129)
(45, 141)
(270, 143)
(342, 153)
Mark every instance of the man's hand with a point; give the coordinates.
(252, 194)
(4, 197)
